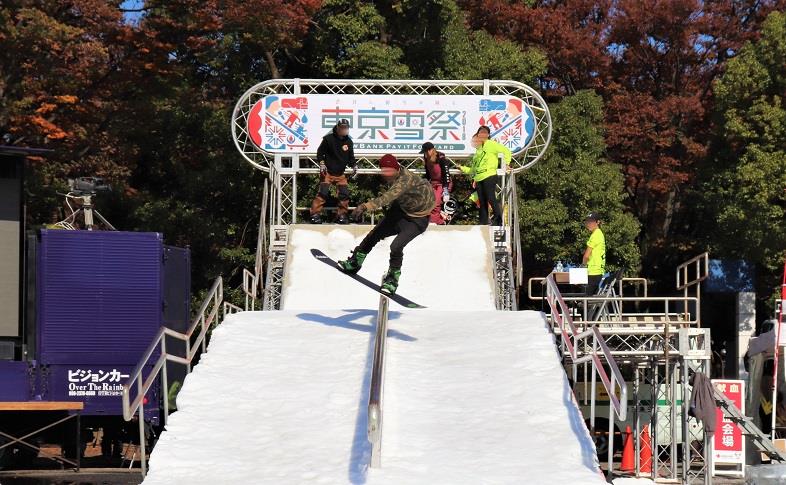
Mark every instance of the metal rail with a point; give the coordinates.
(701, 266)
(261, 253)
(685, 281)
(668, 313)
(376, 389)
(212, 306)
(593, 349)
(250, 285)
(760, 440)
(636, 281)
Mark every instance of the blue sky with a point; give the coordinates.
(132, 17)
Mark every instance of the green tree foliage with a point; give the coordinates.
(477, 55)
(748, 194)
(425, 39)
(349, 39)
(653, 63)
(147, 104)
(573, 179)
(65, 80)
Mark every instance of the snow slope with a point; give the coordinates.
(470, 397)
(445, 268)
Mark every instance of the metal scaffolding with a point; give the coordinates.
(658, 349)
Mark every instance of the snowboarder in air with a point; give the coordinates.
(410, 200)
(335, 153)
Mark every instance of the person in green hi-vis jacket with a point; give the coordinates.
(595, 253)
(483, 170)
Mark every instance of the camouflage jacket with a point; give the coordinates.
(413, 194)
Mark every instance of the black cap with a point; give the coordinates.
(426, 147)
(343, 122)
(592, 216)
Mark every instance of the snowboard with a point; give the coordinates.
(405, 302)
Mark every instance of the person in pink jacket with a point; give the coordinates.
(438, 174)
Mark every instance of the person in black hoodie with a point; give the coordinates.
(335, 153)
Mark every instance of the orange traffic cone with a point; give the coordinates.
(645, 452)
(628, 462)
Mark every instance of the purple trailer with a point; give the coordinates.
(101, 298)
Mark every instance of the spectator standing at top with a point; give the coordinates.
(437, 172)
(595, 253)
(483, 170)
(335, 154)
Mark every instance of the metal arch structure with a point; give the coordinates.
(280, 207)
(306, 163)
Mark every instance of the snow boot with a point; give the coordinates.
(390, 281)
(316, 219)
(353, 263)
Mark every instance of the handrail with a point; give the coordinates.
(683, 283)
(259, 259)
(250, 284)
(203, 321)
(643, 281)
(529, 288)
(667, 301)
(620, 317)
(376, 389)
(610, 383)
(560, 314)
(593, 347)
(634, 280)
(230, 308)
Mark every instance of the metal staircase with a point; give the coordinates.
(759, 439)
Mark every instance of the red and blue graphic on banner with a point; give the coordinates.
(389, 123)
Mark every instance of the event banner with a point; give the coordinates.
(295, 124)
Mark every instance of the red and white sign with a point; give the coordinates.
(290, 123)
(728, 443)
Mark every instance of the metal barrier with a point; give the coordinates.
(685, 280)
(593, 349)
(376, 389)
(636, 281)
(702, 269)
(250, 285)
(669, 312)
(261, 253)
(208, 315)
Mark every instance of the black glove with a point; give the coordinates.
(357, 214)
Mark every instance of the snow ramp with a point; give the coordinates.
(472, 395)
(445, 268)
